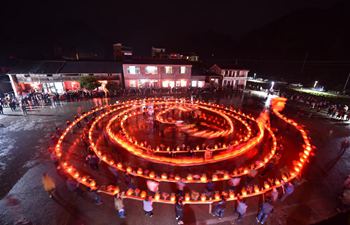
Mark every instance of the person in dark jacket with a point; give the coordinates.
(265, 210)
(179, 211)
(219, 208)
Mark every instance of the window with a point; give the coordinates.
(168, 83)
(183, 83)
(168, 69)
(201, 84)
(133, 70)
(243, 74)
(151, 70)
(194, 83)
(165, 83)
(183, 69)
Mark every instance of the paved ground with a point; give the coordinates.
(23, 158)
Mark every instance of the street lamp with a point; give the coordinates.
(315, 84)
(272, 84)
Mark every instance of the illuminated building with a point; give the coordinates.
(60, 76)
(157, 74)
(203, 77)
(232, 76)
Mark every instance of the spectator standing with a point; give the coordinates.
(274, 195)
(148, 206)
(129, 181)
(24, 109)
(219, 209)
(95, 196)
(180, 187)
(209, 188)
(288, 189)
(118, 204)
(241, 208)
(93, 161)
(179, 211)
(49, 185)
(265, 211)
(233, 183)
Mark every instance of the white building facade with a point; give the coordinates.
(231, 77)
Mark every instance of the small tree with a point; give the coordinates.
(89, 83)
(113, 88)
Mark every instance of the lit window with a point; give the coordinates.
(183, 83)
(223, 72)
(151, 70)
(168, 69)
(132, 83)
(183, 69)
(178, 83)
(201, 84)
(165, 83)
(133, 70)
(194, 83)
(171, 84)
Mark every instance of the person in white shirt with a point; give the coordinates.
(148, 206)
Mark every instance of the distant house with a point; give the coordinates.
(163, 73)
(60, 76)
(121, 52)
(232, 76)
(203, 77)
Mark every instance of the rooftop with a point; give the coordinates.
(156, 61)
(54, 67)
(232, 66)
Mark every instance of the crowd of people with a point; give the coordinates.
(128, 181)
(33, 99)
(24, 102)
(332, 108)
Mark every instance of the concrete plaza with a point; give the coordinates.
(24, 157)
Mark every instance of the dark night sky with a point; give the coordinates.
(140, 24)
(270, 37)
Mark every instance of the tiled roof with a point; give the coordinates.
(91, 67)
(52, 67)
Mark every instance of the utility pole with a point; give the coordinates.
(346, 83)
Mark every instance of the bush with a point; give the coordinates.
(89, 83)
